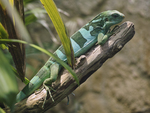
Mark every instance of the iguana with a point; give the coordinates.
(97, 30)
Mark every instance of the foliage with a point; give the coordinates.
(4, 35)
(8, 84)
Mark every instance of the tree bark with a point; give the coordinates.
(86, 66)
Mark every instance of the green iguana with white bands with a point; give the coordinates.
(97, 30)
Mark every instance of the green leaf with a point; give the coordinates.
(25, 2)
(34, 15)
(3, 35)
(2, 111)
(8, 83)
(30, 18)
(53, 13)
(12, 5)
(46, 52)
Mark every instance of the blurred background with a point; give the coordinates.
(122, 84)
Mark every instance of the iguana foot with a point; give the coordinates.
(47, 88)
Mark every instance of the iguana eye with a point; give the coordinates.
(115, 15)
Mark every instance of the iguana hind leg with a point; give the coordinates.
(54, 69)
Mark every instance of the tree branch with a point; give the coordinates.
(86, 66)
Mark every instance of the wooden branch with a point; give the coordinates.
(87, 65)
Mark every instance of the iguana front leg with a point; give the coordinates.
(101, 38)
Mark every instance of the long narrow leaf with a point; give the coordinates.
(8, 83)
(12, 5)
(46, 52)
(2, 111)
(53, 13)
(3, 35)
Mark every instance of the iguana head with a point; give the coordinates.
(111, 17)
(106, 19)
